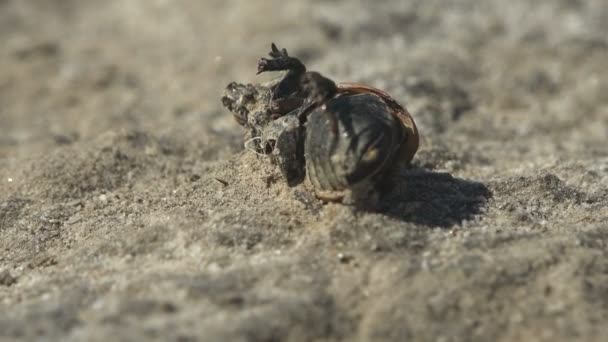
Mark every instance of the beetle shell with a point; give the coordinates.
(354, 138)
(410, 145)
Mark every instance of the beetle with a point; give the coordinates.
(345, 137)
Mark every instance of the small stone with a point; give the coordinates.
(74, 219)
(376, 247)
(74, 203)
(6, 279)
(43, 260)
(345, 258)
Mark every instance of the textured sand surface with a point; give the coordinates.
(129, 209)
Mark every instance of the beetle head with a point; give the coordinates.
(239, 99)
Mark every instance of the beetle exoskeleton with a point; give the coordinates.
(371, 134)
(353, 134)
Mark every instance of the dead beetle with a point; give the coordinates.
(343, 136)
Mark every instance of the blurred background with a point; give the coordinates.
(73, 69)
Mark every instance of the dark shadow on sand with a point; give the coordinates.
(434, 199)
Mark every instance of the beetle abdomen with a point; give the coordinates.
(350, 139)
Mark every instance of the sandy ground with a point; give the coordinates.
(114, 226)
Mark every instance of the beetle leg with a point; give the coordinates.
(282, 106)
(318, 89)
(280, 61)
(289, 85)
(307, 108)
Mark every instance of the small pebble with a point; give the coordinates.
(6, 279)
(345, 258)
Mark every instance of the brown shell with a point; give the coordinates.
(410, 146)
(329, 182)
